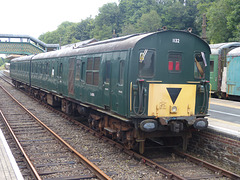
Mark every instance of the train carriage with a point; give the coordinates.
(153, 85)
(218, 66)
(233, 73)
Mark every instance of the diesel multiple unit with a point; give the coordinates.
(140, 86)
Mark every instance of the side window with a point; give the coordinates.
(146, 63)
(174, 62)
(92, 72)
(199, 65)
(121, 72)
(37, 67)
(40, 68)
(107, 72)
(78, 70)
(47, 67)
(60, 69)
(96, 67)
(52, 74)
(82, 70)
(211, 66)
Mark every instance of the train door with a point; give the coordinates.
(214, 71)
(107, 84)
(71, 76)
(117, 81)
(60, 75)
(77, 79)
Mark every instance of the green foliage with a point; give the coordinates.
(233, 20)
(223, 21)
(107, 21)
(132, 10)
(83, 29)
(138, 16)
(149, 22)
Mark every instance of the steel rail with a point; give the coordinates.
(99, 173)
(169, 174)
(33, 169)
(208, 165)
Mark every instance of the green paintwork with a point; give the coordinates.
(214, 72)
(110, 94)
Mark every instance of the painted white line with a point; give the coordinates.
(11, 158)
(230, 114)
(228, 131)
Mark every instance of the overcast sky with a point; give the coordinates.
(34, 18)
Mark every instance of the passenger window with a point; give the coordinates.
(60, 69)
(107, 72)
(121, 72)
(199, 65)
(146, 63)
(211, 66)
(82, 70)
(92, 73)
(47, 66)
(53, 72)
(78, 70)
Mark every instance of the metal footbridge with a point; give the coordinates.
(23, 45)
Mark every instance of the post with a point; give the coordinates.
(204, 26)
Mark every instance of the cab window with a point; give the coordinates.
(174, 62)
(199, 65)
(146, 63)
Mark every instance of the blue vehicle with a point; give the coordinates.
(218, 66)
(233, 72)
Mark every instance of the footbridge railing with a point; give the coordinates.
(23, 45)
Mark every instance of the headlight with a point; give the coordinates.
(173, 109)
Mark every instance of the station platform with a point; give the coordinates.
(8, 166)
(225, 116)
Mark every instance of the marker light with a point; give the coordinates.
(170, 65)
(173, 109)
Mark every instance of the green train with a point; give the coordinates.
(132, 88)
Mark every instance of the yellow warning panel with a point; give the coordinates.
(171, 100)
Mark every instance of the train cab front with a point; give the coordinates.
(169, 110)
(174, 104)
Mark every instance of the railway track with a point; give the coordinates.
(47, 154)
(169, 164)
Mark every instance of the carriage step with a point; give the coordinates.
(110, 130)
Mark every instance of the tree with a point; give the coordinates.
(149, 22)
(217, 25)
(106, 21)
(132, 10)
(233, 20)
(62, 35)
(84, 29)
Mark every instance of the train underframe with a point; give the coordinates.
(128, 133)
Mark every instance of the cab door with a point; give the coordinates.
(107, 84)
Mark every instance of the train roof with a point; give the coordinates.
(109, 45)
(217, 48)
(234, 52)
